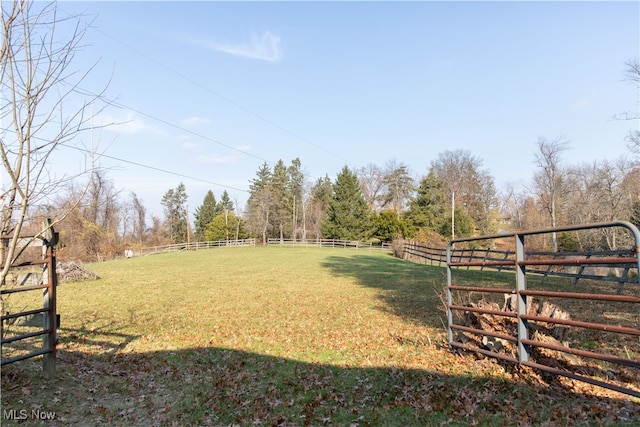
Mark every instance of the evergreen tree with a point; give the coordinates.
(226, 204)
(224, 210)
(204, 214)
(398, 186)
(281, 199)
(463, 224)
(260, 203)
(262, 179)
(225, 226)
(348, 214)
(387, 226)
(174, 202)
(426, 210)
(295, 190)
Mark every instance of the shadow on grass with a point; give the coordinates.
(411, 291)
(102, 339)
(216, 386)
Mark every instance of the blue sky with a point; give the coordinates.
(211, 90)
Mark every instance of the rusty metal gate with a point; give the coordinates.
(589, 333)
(30, 278)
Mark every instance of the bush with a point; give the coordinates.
(397, 247)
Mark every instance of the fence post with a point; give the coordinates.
(449, 296)
(486, 255)
(521, 285)
(471, 257)
(49, 303)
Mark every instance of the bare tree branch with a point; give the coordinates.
(37, 83)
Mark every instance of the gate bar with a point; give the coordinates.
(524, 344)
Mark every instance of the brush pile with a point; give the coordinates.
(548, 333)
(74, 271)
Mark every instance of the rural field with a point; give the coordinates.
(281, 336)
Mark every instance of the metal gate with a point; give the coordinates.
(597, 340)
(29, 323)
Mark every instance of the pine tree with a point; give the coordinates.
(204, 214)
(226, 204)
(260, 203)
(295, 190)
(262, 179)
(348, 215)
(281, 203)
(426, 210)
(174, 202)
(398, 186)
(225, 209)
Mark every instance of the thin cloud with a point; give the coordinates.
(188, 145)
(265, 47)
(128, 124)
(582, 103)
(195, 121)
(216, 160)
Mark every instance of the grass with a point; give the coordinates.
(280, 336)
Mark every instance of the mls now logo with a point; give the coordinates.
(23, 414)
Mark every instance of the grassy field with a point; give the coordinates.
(280, 336)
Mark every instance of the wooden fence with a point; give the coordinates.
(618, 273)
(192, 246)
(329, 243)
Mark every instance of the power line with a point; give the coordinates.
(84, 150)
(235, 104)
(183, 129)
(165, 122)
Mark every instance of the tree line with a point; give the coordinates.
(457, 197)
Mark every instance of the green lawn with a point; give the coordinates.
(280, 336)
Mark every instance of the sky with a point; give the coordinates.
(204, 93)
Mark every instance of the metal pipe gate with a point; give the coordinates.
(47, 283)
(523, 320)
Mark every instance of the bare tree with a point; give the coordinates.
(398, 187)
(37, 83)
(473, 187)
(317, 205)
(139, 222)
(371, 178)
(632, 74)
(549, 179)
(260, 206)
(522, 211)
(600, 192)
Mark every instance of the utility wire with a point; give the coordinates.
(84, 150)
(235, 104)
(183, 129)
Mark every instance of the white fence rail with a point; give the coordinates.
(329, 243)
(193, 246)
